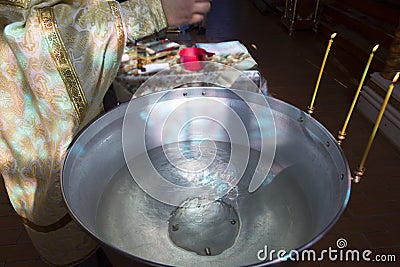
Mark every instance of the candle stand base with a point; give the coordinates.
(300, 15)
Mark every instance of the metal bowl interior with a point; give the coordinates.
(304, 193)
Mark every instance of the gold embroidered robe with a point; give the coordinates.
(57, 59)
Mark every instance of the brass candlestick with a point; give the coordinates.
(361, 168)
(311, 106)
(342, 133)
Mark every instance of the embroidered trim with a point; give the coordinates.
(17, 3)
(48, 228)
(120, 27)
(61, 59)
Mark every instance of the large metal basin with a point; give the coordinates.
(305, 190)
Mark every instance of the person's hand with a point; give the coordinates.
(184, 12)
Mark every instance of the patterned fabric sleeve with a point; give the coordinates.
(143, 17)
(57, 59)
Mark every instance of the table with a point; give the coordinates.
(130, 79)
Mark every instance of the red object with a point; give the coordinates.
(191, 57)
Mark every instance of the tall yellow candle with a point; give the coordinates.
(342, 133)
(360, 168)
(311, 107)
